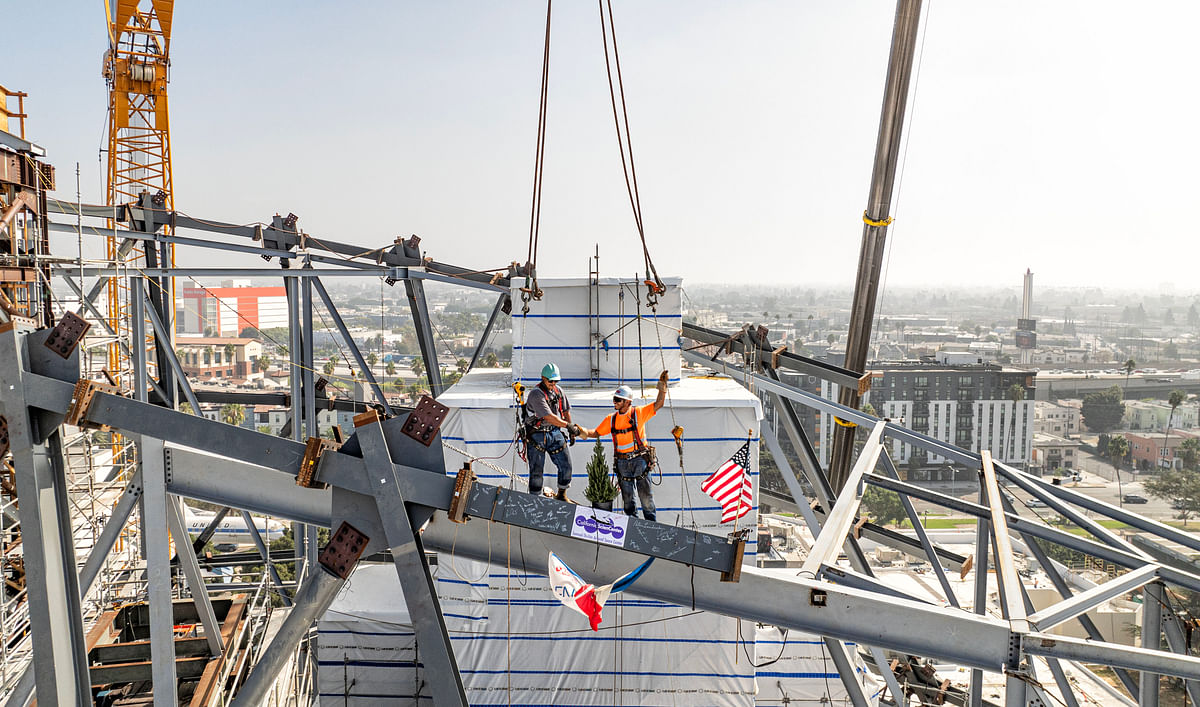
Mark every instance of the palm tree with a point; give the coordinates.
(462, 365)
(390, 368)
(1016, 393)
(262, 363)
(490, 360)
(233, 414)
(1118, 447)
(372, 359)
(328, 367)
(230, 350)
(1129, 366)
(418, 366)
(1175, 400)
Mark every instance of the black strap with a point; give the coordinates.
(637, 438)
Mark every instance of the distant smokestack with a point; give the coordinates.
(1027, 301)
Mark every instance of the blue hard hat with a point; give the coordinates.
(624, 393)
(550, 372)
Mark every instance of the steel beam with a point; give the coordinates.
(319, 287)
(411, 568)
(1083, 602)
(266, 556)
(168, 353)
(789, 477)
(424, 329)
(1177, 640)
(922, 536)
(112, 530)
(487, 329)
(207, 477)
(837, 525)
(1007, 578)
(312, 600)
(191, 570)
(765, 355)
(1133, 658)
(975, 695)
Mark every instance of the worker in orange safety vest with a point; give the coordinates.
(633, 458)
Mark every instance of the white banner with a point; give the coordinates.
(600, 526)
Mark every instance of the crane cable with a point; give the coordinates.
(608, 30)
(531, 291)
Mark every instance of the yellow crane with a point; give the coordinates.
(136, 68)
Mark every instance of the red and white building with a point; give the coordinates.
(227, 311)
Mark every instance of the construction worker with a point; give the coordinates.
(549, 424)
(632, 457)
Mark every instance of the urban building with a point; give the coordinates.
(211, 357)
(1052, 419)
(1151, 415)
(1154, 451)
(1053, 452)
(231, 309)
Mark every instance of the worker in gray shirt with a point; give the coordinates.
(548, 431)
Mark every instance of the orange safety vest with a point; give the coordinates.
(626, 439)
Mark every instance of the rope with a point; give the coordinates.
(531, 291)
(608, 29)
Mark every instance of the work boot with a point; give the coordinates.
(561, 495)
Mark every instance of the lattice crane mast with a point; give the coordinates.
(136, 67)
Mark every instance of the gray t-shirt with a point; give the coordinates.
(539, 404)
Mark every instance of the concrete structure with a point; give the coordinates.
(1061, 420)
(229, 310)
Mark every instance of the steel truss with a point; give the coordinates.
(384, 486)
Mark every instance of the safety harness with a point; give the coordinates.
(531, 423)
(640, 448)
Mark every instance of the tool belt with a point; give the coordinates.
(547, 429)
(647, 452)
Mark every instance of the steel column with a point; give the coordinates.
(112, 530)
(981, 572)
(415, 290)
(1152, 597)
(168, 353)
(922, 536)
(1177, 640)
(158, 569)
(411, 568)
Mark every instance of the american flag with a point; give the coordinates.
(730, 485)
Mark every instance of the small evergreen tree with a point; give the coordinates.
(600, 488)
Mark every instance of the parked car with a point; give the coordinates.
(1035, 503)
(1134, 498)
(1179, 504)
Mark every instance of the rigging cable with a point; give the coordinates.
(608, 30)
(531, 291)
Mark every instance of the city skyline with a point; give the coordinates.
(1048, 137)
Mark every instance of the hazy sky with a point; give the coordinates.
(1057, 136)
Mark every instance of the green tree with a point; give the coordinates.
(418, 366)
(1015, 393)
(884, 506)
(186, 407)
(262, 363)
(490, 360)
(1102, 411)
(372, 359)
(1189, 453)
(1118, 448)
(328, 367)
(1181, 488)
(390, 368)
(462, 365)
(600, 488)
(1171, 350)
(1174, 400)
(230, 350)
(1130, 364)
(233, 413)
